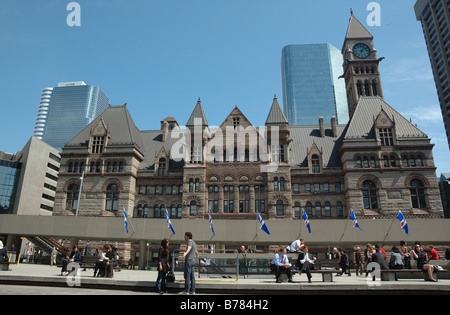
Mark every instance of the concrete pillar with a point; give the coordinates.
(142, 254)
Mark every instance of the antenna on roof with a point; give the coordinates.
(351, 11)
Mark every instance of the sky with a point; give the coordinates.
(159, 57)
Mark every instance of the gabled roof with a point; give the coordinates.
(122, 130)
(356, 30)
(361, 125)
(197, 113)
(276, 115)
(304, 137)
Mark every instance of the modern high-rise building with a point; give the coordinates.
(42, 114)
(435, 18)
(69, 108)
(311, 85)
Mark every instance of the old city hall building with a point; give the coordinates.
(377, 164)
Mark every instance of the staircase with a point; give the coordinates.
(47, 244)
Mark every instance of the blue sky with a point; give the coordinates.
(160, 56)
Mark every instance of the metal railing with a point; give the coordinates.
(225, 264)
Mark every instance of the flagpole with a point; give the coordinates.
(79, 193)
(387, 233)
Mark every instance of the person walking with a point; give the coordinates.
(189, 255)
(163, 266)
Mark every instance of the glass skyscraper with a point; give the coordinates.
(435, 18)
(311, 84)
(73, 106)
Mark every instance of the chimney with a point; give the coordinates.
(333, 126)
(321, 127)
(165, 130)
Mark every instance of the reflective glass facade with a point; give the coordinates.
(311, 87)
(9, 178)
(71, 109)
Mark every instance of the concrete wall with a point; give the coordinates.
(283, 232)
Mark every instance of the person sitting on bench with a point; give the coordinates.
(280, 262)
(305, 263)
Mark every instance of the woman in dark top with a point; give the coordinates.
(163, 266)
(422, 261)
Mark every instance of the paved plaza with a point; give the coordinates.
(44, 279)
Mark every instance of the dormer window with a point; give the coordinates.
(386, 137)
(98, 144)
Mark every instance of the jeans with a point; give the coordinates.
(189, 276)
(161, 281)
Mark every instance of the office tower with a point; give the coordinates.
(311, 84)
(42, 114)
(73, 106)
(435, 18)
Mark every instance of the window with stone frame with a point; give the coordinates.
(417, 190)
(72, 197)
(112, 197)
(386, 137)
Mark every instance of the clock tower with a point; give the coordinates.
(361, 72)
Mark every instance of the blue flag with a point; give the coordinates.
(169, 223)
(210, 223)
(355, 222)
(125, 219)
(305, 217)
(262, 224)
(402, 220)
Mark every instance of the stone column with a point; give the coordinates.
(142, 254)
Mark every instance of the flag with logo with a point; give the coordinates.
(169, 223)
(125, 219)
(262, 224)
(355, 222)
(305, 218)
(402, 219)
(210, 222)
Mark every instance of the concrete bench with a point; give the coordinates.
(389, 274)
(4, 266)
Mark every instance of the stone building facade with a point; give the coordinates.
(377, 164)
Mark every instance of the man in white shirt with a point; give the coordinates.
(280, 262)
(296, 246)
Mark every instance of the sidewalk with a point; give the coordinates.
(139, 280)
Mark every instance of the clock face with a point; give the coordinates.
(361, 50)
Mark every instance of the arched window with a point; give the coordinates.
(358, 162)
(282, 184)
(72, 197)
(275, 184)
(193, 208)
(162, 167)
(417, 194)
(339, 209)
(156, 211)
(112, 197)
(191, 185)
(297, 210)
(145, 213)
(327, 209)
(173, 211)
(179, 211)
(369, 192)
(139, 213)
(120, 166)
(280, 208)
(309, 208)
(315, 163)
(318, 209)
(197, 185)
